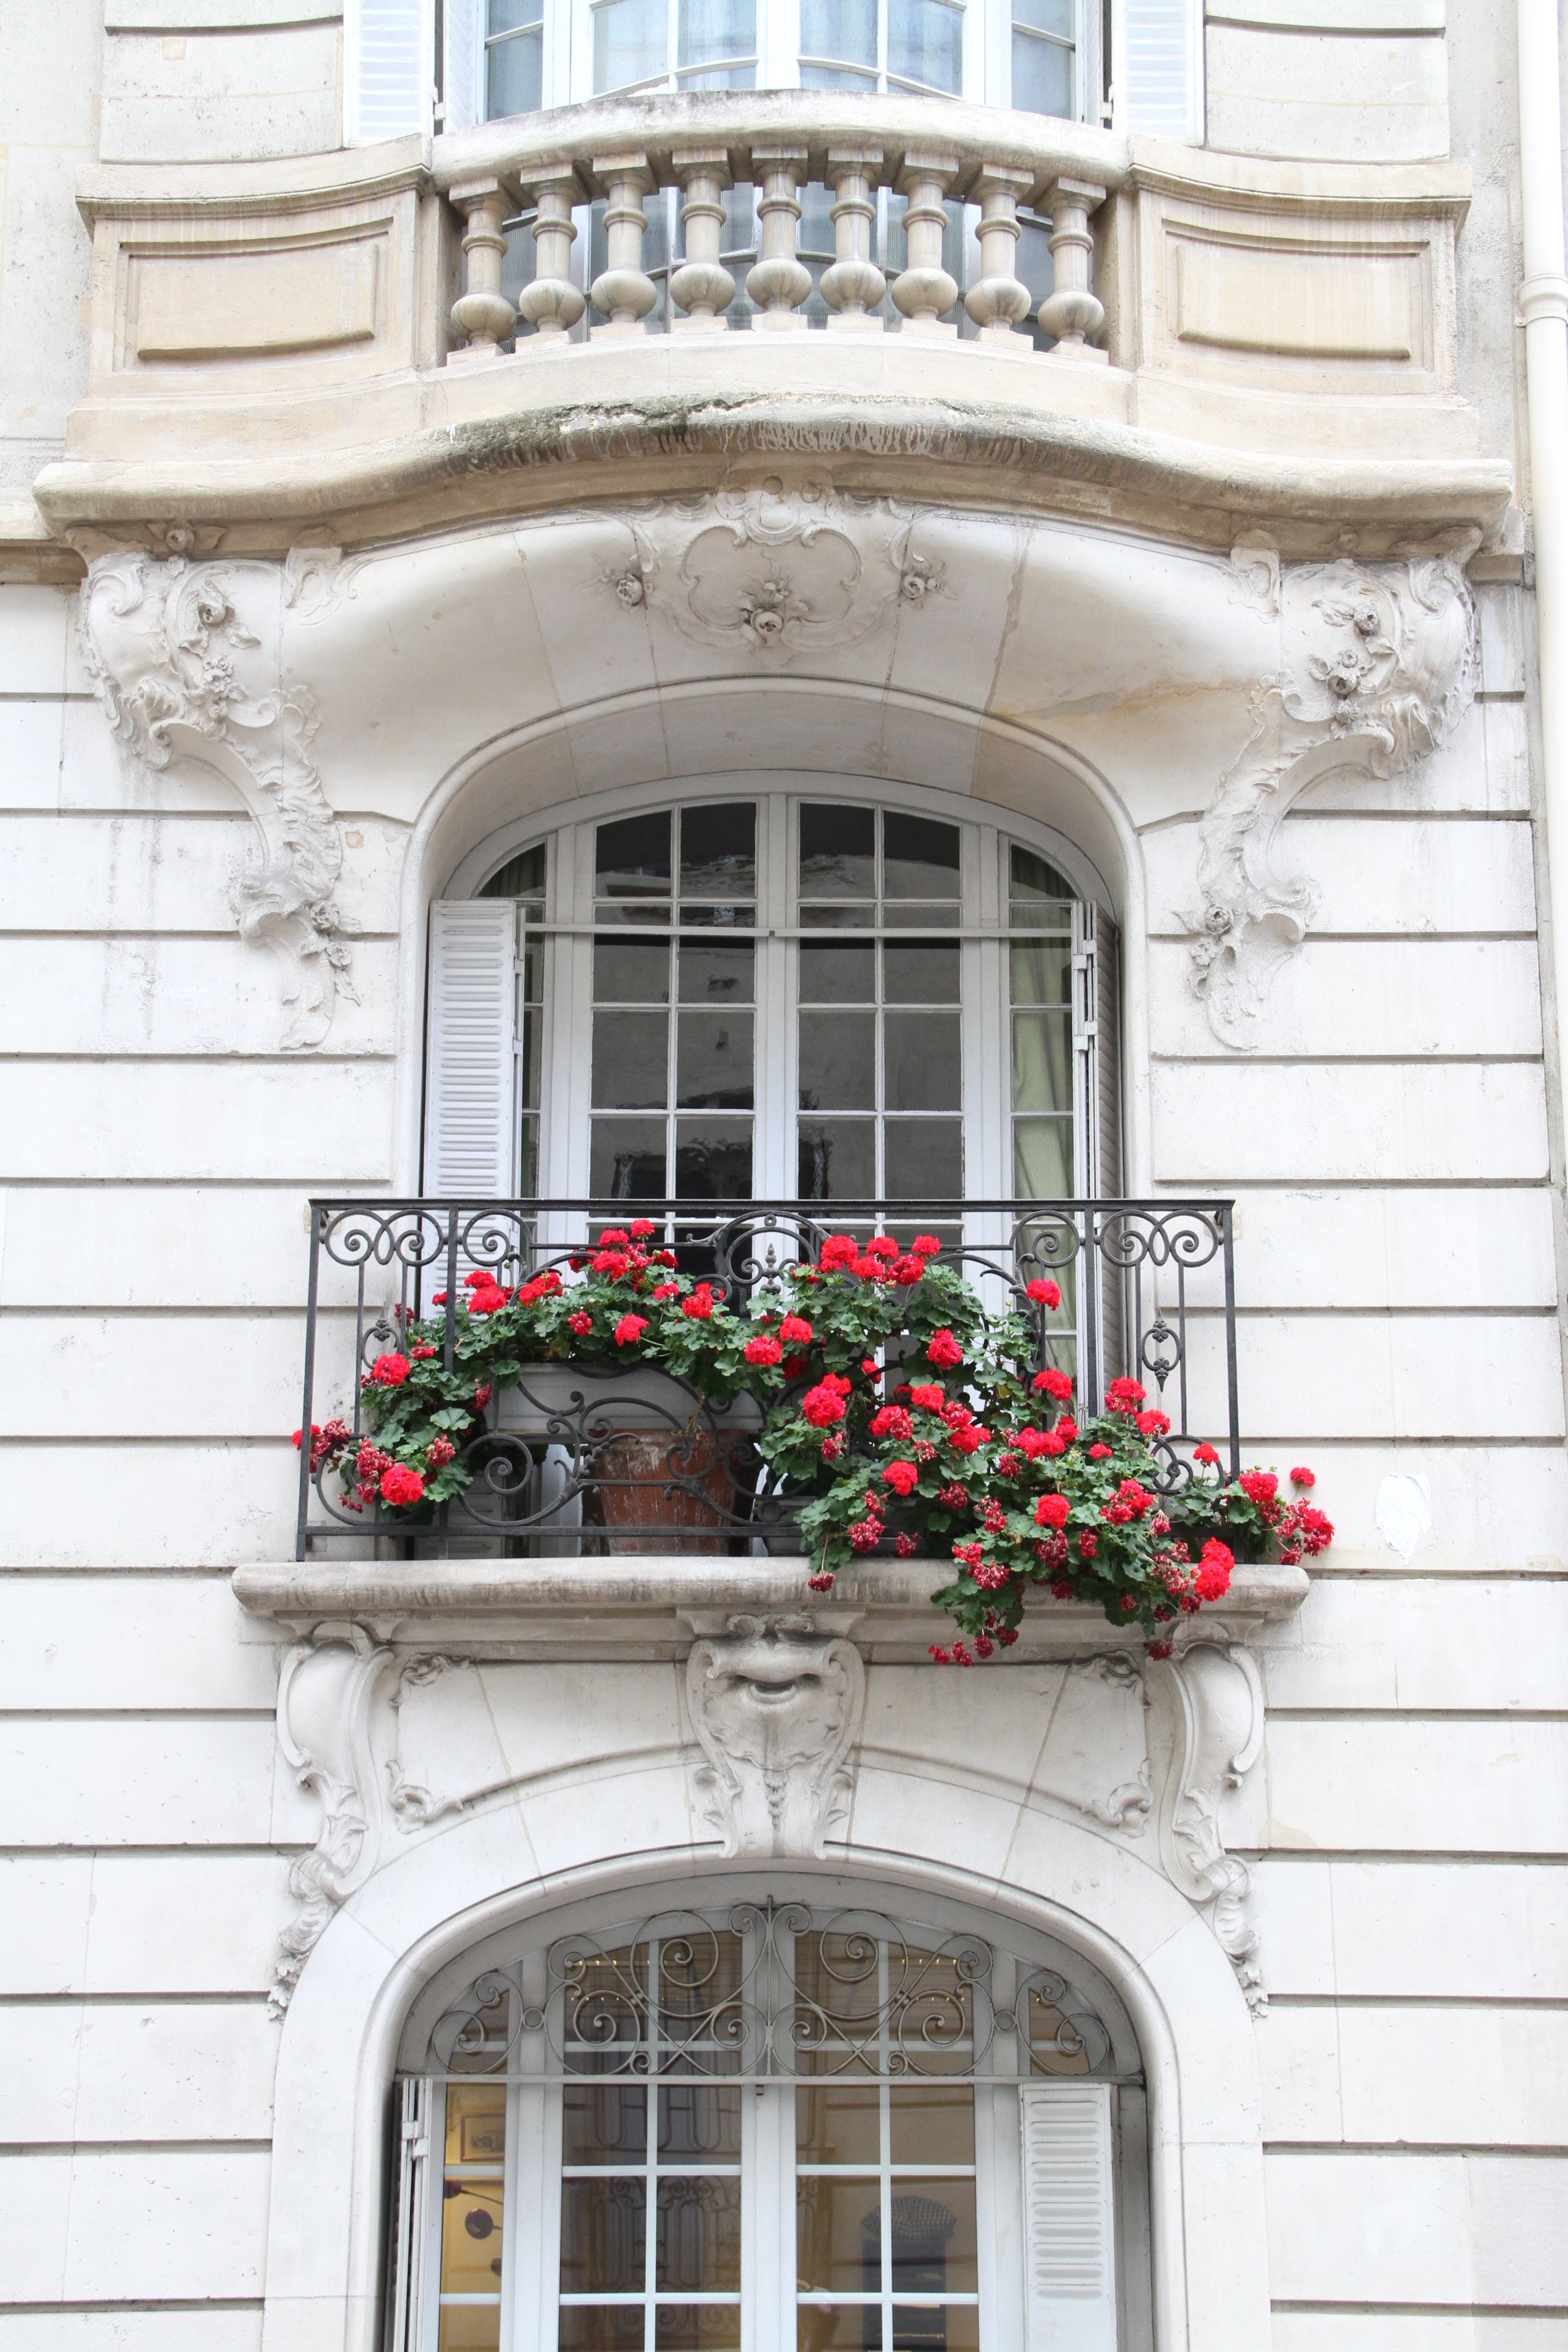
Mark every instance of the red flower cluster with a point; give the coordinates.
(1051, 1511)
(388, 1371)
(892, 1421)
(1125, 1396)
(824, 1405)
(763, 1349)
(401, 1487)
(943, 1351)
(901, 1476)
(629, 1330)
(1052, 1383)
(700, 1305)
(1044, 1293)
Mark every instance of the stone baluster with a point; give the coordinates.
(482, 312)
(701, 286)
(779, 283)
(1073, 312)
(924, 290)
(550, 301)
(1000, 299)
(623, 291)
(854, 286)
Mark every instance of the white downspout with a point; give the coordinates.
(1543, 307)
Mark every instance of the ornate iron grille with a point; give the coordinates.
(553, 1457)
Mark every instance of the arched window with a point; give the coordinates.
(776, 996)
(775, 2122)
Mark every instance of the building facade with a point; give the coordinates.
(913, 612)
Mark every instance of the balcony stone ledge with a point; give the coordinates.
(655, 1607)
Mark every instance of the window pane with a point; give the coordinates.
(1042, 1061)
(629, 38)
(924, 1158)
(837, 2226)
(625, 1160)
(919, 859)
(1042, 76)
(717, 28)
(630, 1050)
(1045, 15)
(609, 2328)
(470, 2328)
(923, 1065)
(631, 971)
(472, 2237)
(632, 857)
(1042, 1159)
(838, 2123)
(923, 973)
(604, 2123)
(846, 29)
(522, 876)
(602, 2236)
(842, 2326)
(925, 43)
(714, 1160)
(515, 74)
(931, 2123)
(719, 852)
(837, 975)
(1033, 880)
(837, 853)
(698, 2121)
(716, 975)
(713, 1062)
(699, 2241)
(697, 2327)
(837, 1061)
(1041, 971)
(836, 78)
(934, 2241)
(837, 1159)
(505, 15)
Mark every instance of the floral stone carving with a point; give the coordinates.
(776, 1706)
(1209, 1702)
(185, 656)
(1377, 667)
(324, 1695)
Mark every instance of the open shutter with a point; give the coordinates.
(1070, 2239)
(470, 1058)
(389, 69)
(462, 73)
(410, 2216)
(1156, 67)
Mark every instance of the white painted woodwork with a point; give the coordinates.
(1069, 2254)
(470, 1090)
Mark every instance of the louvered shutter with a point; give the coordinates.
(462, 76)
(1069, 2238)
(470, 1114)
(1157, 71)
(414, 2103)
(389, 69)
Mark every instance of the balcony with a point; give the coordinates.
(339, 345)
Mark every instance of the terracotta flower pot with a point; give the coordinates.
(642, 1433)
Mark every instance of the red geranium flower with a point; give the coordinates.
(763, 1349)
(1303, 1477)
(881, 1246)
(1154, 1424)
(925, 1246)
(1125, 1396)
(838, 1250)
(612, 1262)
(1044, 1293)
(700, 1304)
(822, 1406)
(1205, 1454)
(439, 1451)
(581, 1324)
(901, 1476)
(795, 1331)
(1052, 1383)
(629, 1330)
(1051, 1511)
(1259, 1487)
(943, 1351)
(891, 1421)
(640, 1228)
(400, 1485)
(389, 1372)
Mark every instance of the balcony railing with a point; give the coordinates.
(574, 1460)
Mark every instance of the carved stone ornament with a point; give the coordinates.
(325, 1696)
(776, 1707)
(185, 656)
(1377, 667)
(1211, 1699)
(774, 572)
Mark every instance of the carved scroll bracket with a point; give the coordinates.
(186, 657)
(1208, 1703)
(1377, 665)
(324, 1695)
(776, 1705)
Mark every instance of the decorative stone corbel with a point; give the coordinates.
(323, 1728)
(187, 659)
(776, 1706)
(1209, 1703)
(1377, 667)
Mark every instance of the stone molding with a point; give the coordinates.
(777, 1706)
(1377, 664)
(186, 657)
(324, 1694)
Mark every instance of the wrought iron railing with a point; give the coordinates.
(576, 1459)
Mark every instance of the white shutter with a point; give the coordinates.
(1070, 2239)
(1157, 69)
(405, 2297)
(389, 69)
(462, 76)
(469, 1085)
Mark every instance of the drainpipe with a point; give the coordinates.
(1543, 307)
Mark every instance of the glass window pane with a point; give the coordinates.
(632, 856)
(1042, 1159)
(604, 2327)
(630, 1051)
(837, 2226)
(714, 1160)
(625, 1160)
(934, 2241)
(837, 853)
(719, 852)
(848, 918)
(697, 2327)
(1041, 971)
(716, 28)
(931, 2123)
(1034, 881)
(920, 972)
(924, 1158)
(837, 1159)
(839, 975)
(925, 43)
(522, 876)
(846, 29)
(838, 2123)
(604, 2123)
(837, 1061)
(713, 1062)
(1042, 1061)
(837, 77)
(629, 42)
(1042, 76)
(631, 971)
(716, 975)
(604, 2228)
(532, 1058)
(505, 15)
(921, 1061)
(839, 2326)
(514, 74)
(470, 2328)
(699, 2121)
(698, 2235)
(1031, 261)
(919, 859)
(1045, 15)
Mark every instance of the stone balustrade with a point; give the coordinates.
(931, 156)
